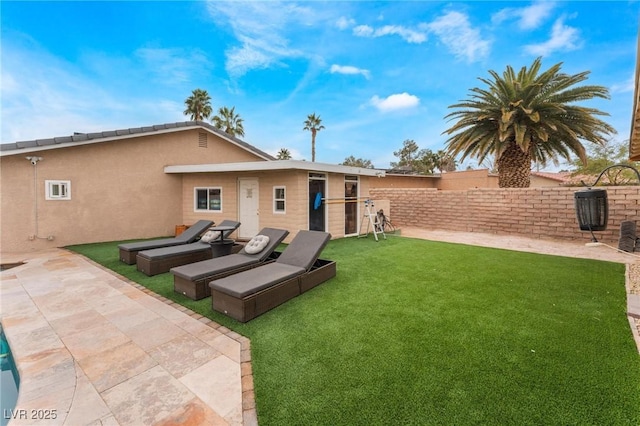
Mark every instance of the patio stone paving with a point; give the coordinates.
(95, 349)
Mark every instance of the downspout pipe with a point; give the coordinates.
(34, 162)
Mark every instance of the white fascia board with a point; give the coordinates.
(255, 166)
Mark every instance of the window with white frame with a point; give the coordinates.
(57, 189)
(279, 199)
(208, 199)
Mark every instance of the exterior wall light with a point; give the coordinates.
(34, 160)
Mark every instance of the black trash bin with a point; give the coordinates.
(221, 247)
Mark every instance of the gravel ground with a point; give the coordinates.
(634, 286)
(634, 278)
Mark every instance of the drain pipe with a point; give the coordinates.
(34, 162)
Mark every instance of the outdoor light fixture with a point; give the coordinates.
(34, 160)
(592, 207)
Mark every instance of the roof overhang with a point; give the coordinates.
(634, 138)
(277, 165)
(38, 145)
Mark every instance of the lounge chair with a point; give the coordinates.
(245, 295)
(161, 260)
(129, 251)
(192, 280)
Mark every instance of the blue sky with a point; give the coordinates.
(377, 73)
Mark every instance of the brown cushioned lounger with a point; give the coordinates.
(192, 280)
(245, 295)
(129, 251)
(161, 260)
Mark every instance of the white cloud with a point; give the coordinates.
(563, 38)
(624, 86)
(456, 33)
(260, 27)
(532, 16)
(529, 17)
(344, 23)
(409, 35)
(55, 98)
(248, 57)
(395, 102)
(350, 70)
(48, 98)
(363, 31)
(172, 66)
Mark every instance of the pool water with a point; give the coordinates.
(9, 381)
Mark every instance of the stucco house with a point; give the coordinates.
(142, 182)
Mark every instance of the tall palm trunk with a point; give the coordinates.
(514, 167)
(313, 145)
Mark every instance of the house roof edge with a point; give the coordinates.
(255, 166)
(78, 139)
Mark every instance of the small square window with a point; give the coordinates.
(208, 199)
(279, 199)
(57, 189)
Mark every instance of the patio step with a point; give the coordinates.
(633, 305)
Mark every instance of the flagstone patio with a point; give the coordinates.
(94, 349)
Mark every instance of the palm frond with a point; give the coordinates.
(534, 110)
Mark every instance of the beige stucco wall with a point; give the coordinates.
(543, 182)
(296, 183)
(455, 181)
(408, 181)
(118, 190)
(465, 179)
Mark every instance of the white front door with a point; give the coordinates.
(249, 216)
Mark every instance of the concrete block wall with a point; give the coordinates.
(532, 212)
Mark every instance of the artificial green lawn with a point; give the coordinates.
(420, 332)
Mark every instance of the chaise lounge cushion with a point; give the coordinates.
(304, 249)
(199, 270)
(256, 244)
(165, 252)
(150, 244)
(184, 249)
(219, 265)
(255, 280)
(295, 260)
(186, 237)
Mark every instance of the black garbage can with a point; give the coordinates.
(221, 247)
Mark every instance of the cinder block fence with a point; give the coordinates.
(533, 212)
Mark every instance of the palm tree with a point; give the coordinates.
(525, 117)
(228, 121)
(313, 124)
(357, 162)
(445, 162)
(283, 154)
(198, 105)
